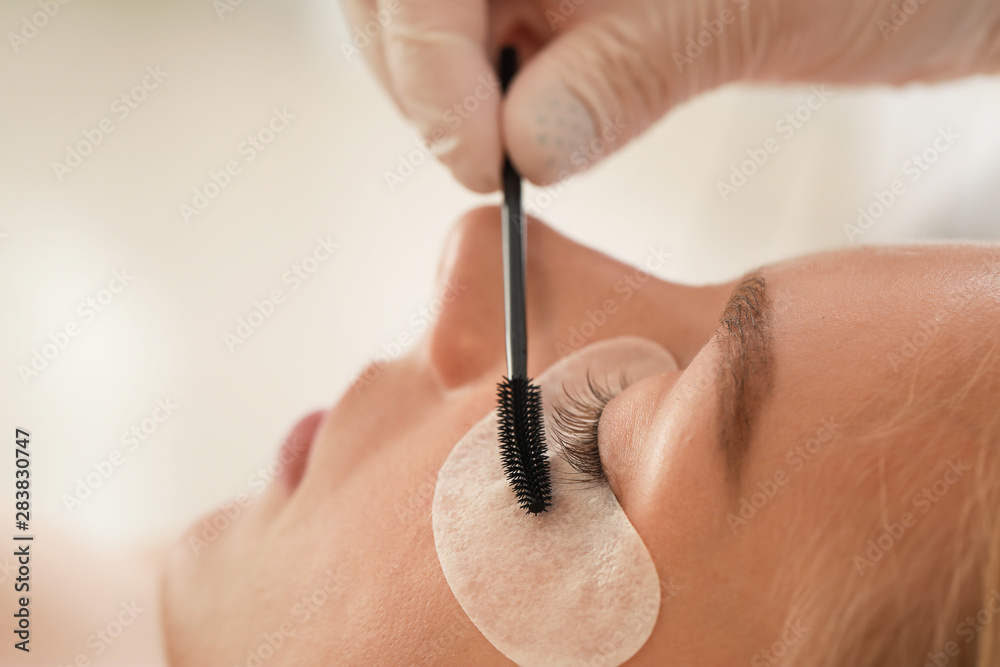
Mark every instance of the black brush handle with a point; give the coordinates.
(514, 248)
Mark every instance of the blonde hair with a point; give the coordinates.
(915, 609)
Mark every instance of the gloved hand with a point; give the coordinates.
(601, 71)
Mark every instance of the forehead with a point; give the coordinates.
(870, 348)
(861, 329)
(873, 292)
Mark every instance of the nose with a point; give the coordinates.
(575, 296)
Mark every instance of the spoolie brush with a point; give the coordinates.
(520, 426)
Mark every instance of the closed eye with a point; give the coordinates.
(576, 417)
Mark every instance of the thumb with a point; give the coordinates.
(607, 77)
(436, 64)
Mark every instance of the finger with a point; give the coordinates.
(365, 30)
(436, 59)
(607, 78)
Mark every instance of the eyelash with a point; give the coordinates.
(575, 420)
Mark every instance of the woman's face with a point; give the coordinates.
(730, 468)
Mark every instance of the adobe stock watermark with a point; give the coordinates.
(775, 654)
(649, 609)
(263, 476)
(786, 127)
(967, 629)
(699, 379)
(247, 151)
(364, 35)
(605, 136)
(582, 157)
(121, 108)
(224, 7)
(135, 437)
(103, 638)
(710, 32)
(638, 619)
(562, 12)
(418, 322)
(212, 527)
(418, 502)
(31, 24)
(87, 311)
(439, 138)
(890, 534)
(913, 170)
(899, 14)
(796, 459)
(303, 612)
(264, 309)
(624, 288)
(928, 328)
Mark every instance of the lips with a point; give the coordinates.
(294, 453)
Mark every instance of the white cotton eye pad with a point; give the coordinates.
(572, 586)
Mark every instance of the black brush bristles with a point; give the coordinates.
(519, 417)
(522, 443)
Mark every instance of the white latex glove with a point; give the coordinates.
(599, 72)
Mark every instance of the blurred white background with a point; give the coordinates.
(161, 337)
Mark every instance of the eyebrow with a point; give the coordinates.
(744, 335)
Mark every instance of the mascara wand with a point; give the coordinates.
(520, 429)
